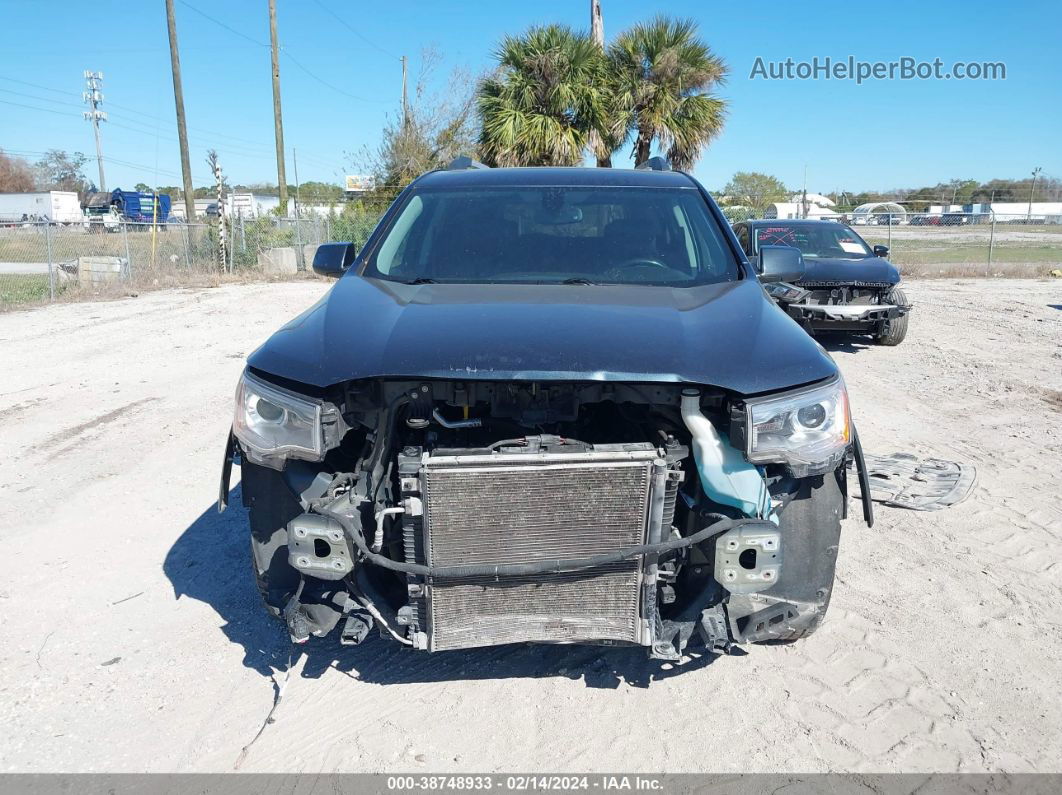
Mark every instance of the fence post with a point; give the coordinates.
(991, 244)
(128, 256)
(232, 246)
(185, 233)
(51, 265)
(299, 252)
(890, 231)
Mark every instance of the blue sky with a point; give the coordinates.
(874, 136)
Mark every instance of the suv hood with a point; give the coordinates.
(846, 271)
(726, 335)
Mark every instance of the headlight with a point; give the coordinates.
(273, 423)
(809, 429)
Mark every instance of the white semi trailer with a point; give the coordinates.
(55, 206)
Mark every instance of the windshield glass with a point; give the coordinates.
(554, 235)
(827, 239)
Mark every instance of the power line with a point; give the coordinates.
(326, 83)
(38, 85)
(286, 52)
(40, 99)
(357, 33)
(33, 107)
(222, 24)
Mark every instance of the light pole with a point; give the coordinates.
(1035, 174)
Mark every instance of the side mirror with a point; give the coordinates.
(333, 259)
(881, 251)
(780, 264)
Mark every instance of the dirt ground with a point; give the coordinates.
(132, 638)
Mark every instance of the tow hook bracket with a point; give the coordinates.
(748, 559)
(317, 546)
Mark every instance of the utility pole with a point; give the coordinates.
(295, 162)
(182, 130)
(597, 35)
(278, 122)
(300, 252)
(1035, 174)
(94, 98)
(405, 100)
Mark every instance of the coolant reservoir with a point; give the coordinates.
(725, 474)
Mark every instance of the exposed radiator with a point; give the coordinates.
(516, 507)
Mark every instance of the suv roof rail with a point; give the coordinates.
(654, 164)
(464, 162)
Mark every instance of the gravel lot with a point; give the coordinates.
(133, 639)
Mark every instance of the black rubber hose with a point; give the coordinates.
(538, 567)
(384, 441)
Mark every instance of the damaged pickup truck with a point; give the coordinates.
(549, 405)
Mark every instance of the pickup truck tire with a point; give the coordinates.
(270, 506)
(811, 532)
(897, 328)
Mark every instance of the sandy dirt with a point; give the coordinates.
(132, 637)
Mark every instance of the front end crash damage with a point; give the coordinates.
(850, 306)
(452, 515)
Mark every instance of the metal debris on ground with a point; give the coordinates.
(903, 480)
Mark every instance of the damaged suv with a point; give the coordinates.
(550, 405)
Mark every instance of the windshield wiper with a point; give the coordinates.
(419, 280)
(577, 280)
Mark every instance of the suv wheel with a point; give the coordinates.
(894, 330)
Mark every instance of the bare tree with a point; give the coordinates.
(16, 175)
(439, 126)
(59, 170)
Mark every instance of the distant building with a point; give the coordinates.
(813, 198)
(790, 210)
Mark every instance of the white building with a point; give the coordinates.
(792, 210)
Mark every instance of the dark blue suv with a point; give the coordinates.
(546, 405)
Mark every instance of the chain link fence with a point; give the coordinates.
(967, 244)
(952, 243)
(42, 262)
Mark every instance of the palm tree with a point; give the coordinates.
(548, 93)
(660, 74)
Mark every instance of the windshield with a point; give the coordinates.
(826, 239)
(554, 235)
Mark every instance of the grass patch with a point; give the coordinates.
(24, 288)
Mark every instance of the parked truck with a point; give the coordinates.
(53, 206)
(105, 211)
